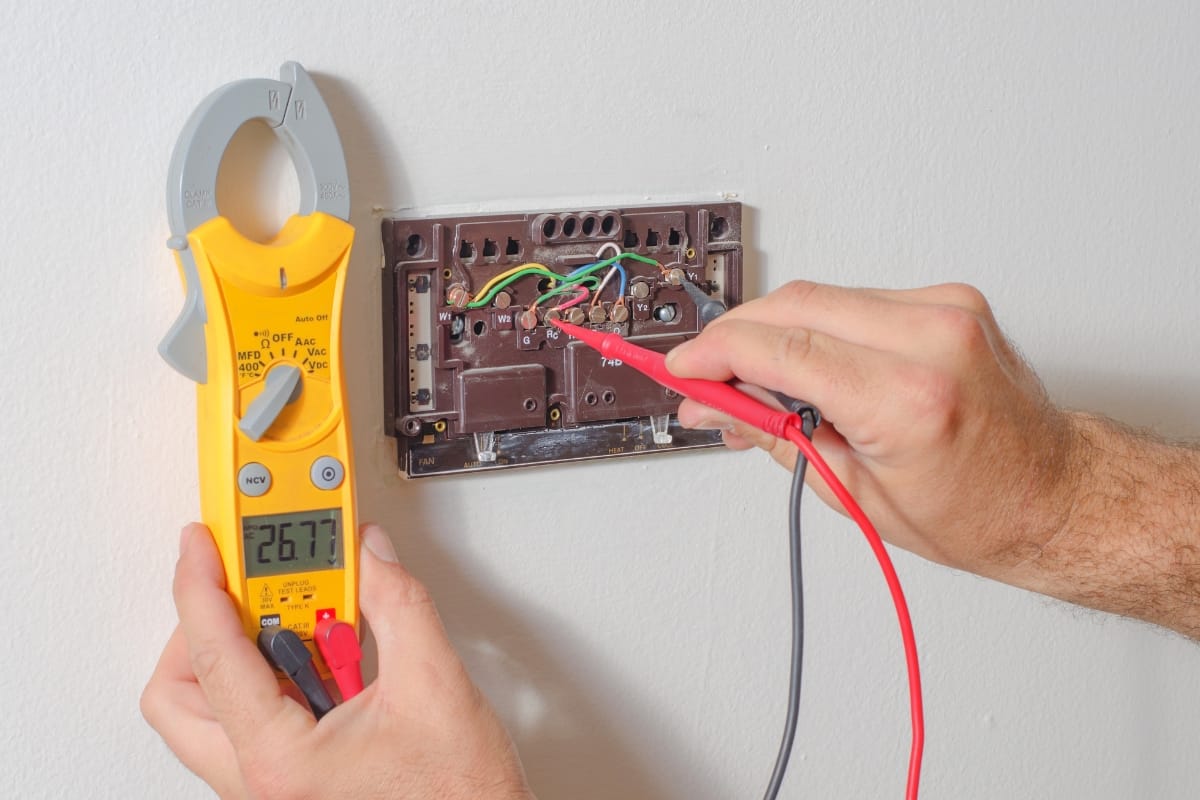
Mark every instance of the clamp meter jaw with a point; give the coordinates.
(260, 334)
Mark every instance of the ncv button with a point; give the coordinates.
(254, 479)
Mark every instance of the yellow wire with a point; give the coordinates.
(487, 287)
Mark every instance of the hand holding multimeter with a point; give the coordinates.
(418, 730)
(260, 334)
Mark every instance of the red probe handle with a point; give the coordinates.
(339, 646)
(717, 395)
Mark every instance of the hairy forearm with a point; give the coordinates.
(1129, 540)
(952, 445)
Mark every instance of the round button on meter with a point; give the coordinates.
(254, 479)
(327, 473)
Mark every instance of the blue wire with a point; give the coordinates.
(616, 262)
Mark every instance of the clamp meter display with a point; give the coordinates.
(260, 334)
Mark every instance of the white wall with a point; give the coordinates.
(1045, 152)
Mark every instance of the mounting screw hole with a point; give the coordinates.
(609, 397)
(415, 246)
(530, 404)
(668, 313)
(555, 414)
(479, 328)
(440, 426)
(590, 398)
(718, 228)
(411, 426)
(447, 274)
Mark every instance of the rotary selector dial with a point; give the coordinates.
(281, 386)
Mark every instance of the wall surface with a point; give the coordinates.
(1046, 152)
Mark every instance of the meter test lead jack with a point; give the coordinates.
(260, 334)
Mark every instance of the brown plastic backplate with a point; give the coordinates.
(461, 382)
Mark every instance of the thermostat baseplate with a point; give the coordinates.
(480, 388)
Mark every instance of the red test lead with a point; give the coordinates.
(731, 401)
(714, 394)
(338, 644)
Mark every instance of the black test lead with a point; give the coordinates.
(284, 649)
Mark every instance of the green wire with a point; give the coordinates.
(610, 261)
(634, 256)
(565, 287)
(586, 274)
(576, 280)
(483, 301)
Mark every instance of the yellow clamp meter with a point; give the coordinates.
(260, 334)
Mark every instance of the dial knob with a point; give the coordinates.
(281, 387)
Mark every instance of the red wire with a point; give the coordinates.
(796, 437)
(574, 301)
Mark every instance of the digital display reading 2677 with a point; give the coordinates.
(278, 544)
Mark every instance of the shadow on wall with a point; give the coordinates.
(1157, 402)
(754, 261)
(564, 726)
(574, 749)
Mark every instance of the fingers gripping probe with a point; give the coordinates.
(795, 425)
(260, 334)
(721, 396)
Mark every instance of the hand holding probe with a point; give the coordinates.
(735, 403)
(723, 397)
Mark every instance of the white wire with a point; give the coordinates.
(604, 282)
(600, 253)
